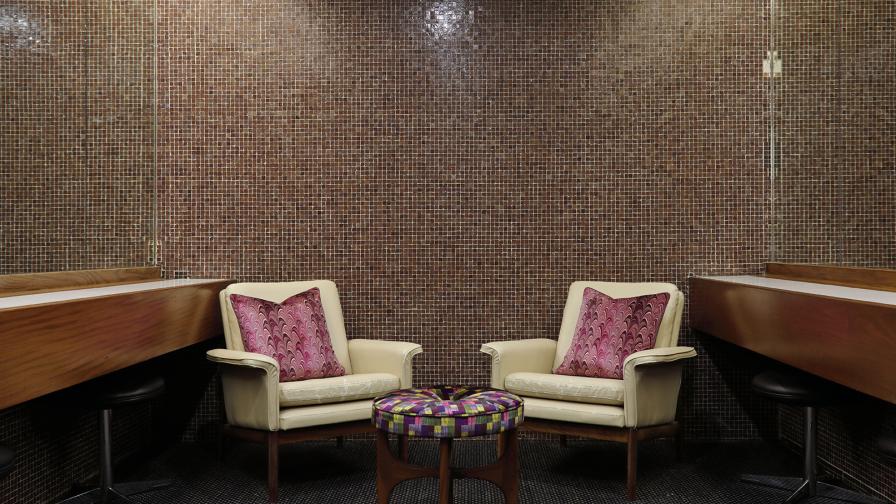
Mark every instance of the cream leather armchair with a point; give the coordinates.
(640, 406)
(261, 409)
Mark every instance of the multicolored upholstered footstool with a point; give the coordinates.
(447, 413)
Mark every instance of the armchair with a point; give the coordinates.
(261, 409)
(638, 407)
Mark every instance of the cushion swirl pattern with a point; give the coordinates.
(447, 412)
(609, 330)
(294, 333)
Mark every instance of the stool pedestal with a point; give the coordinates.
(801, 390)
(392, 470)
(886, 446)
(7, 457)
(111, 394)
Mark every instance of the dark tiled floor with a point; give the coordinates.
(583, 472)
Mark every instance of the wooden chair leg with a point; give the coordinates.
(222, 445)
(632, 472)
(273, 465)
(564, 441)
(445, 483)
(500, 444)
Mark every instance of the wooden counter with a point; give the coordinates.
(841, 333)
(54, 340)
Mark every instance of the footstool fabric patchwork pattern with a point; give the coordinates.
(447, 412)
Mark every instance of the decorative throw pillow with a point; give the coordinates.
(294, 333)
(609, 330)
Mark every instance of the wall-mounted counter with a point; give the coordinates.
(54, 340)
(841, 326)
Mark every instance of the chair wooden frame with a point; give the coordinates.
(653, 374)
(252, 392)
(273, 440)
(630, 436)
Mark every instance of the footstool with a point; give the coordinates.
(447, 413)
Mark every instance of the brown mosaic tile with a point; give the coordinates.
(836, 121)
(75, 134)
(452, 165)
(75, 189)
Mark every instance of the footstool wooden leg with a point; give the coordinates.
(403, 448)
(505, 472)
(445, 483)
(511, 484)
(384, 483)
(492, 411)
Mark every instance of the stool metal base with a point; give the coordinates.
(118, 493)
(808, 486)
(108, 492)
(801, 489)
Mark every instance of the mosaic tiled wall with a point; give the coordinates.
(75, 134)
(75, 183)
(836, 120)
(453, 166)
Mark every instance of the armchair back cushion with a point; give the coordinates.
(294, 333)
(667, 334)
(609, 330)
(278, 292)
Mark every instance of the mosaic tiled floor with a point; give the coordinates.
(583, 472)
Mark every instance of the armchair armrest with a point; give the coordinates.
(251, 384)
(237, 358)
(533, 355)
(380, 356)
(652, 380)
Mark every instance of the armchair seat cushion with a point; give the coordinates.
(336, 389)
(575, 412)
(325, 414)
(579, 389)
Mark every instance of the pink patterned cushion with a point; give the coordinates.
(609, 330)
(293, 332)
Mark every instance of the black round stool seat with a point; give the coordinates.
(108, 394)
(800, 389)
(105, 394)
(886, 445)
(7, 457)
(792, 388)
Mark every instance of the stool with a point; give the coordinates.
(446, 413)
(886, 446)
(7, 458)
(809, 392)
(105, 395)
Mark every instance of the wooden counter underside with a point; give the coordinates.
(54, 346)
(852, 343)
